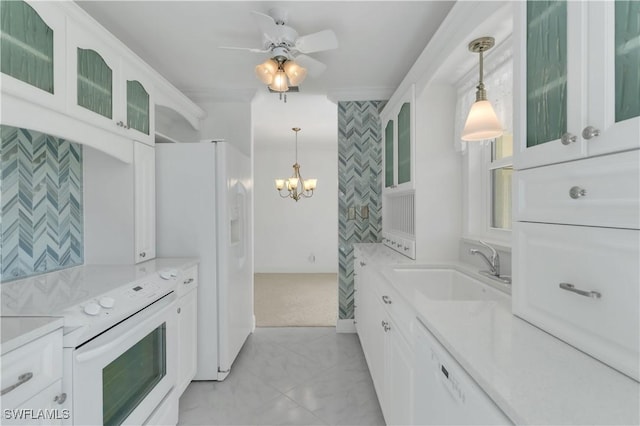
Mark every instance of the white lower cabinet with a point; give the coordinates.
(187, 310)
(581, 284)
(389, 356)
(32, 382)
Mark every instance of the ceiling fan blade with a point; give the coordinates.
(316, 42)
(267, 25)
(313, 66)
(250, 49)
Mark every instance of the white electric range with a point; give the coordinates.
(120, 331)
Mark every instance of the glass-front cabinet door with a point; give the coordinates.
(389, 137)
(550, 67)
(580, 64)
(614, 75)
(404, 144)
(398, 150)
(138, 112)
(32, 52)
(93, 78)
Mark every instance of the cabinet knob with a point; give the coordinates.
(385, 326)
(60, 399)
(143, 254)
(189, 281)
(362, 263)
(576, 192)
(179, 310)
(590, 132)
(568, 138)
(386, 300)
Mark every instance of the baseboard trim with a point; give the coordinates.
(345, 326)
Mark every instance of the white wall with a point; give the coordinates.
(228, 120)
(288, 233)
(438, 175)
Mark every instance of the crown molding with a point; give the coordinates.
(360, 94)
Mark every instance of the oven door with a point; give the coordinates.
(121, 376)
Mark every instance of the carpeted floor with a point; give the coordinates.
(296, 300)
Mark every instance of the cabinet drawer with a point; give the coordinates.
(39, 363)
(611, 187)
(598, 260)
(46, 399)
(187, 280)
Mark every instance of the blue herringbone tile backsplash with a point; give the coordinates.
(40, 203)
(359, 184)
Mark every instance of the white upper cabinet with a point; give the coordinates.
(398, 139)
(104, 88)
(578, 94)
(33, 51)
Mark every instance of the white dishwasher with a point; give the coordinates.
(444, 393)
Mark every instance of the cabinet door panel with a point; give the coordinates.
(95, 83)
(551, 63)
(26, 45)
(400, 378)
(604, 324)
(145, 202)
(137, 106)
(614, 76)
(32, 47)
(388, 155)
(404, 144)
(188, 339)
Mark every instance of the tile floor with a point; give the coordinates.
(289, 376)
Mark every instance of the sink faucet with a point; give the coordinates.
(493, 262)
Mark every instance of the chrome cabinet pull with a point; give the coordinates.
(189, 281)
(386, 299)
(576, 192)
(362, 263)
(586, 293)
(568, 138)
(590, 132)
(179, 310)
(385, 326)
(60, 399)
(143, 254)
(22, 379)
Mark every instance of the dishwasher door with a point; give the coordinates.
(444, 393)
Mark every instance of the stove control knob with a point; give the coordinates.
(107, 302)
(92, 309)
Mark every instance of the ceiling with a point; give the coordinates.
(378, 41)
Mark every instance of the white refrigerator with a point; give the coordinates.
(203, 209)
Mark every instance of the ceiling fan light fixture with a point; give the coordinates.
(295, 72)
(279, 83)
(266, 71)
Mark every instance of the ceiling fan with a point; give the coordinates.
(289, 63)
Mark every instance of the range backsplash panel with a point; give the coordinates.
(359, 184)
(41, 222)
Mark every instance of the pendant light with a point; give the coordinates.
(296, 186)
(482, 122)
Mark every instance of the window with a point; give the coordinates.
(488, 165)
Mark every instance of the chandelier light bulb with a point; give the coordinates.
(279, 184)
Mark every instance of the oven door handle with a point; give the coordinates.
(148, 314)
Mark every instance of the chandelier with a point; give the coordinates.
(296, 186)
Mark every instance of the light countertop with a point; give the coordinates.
(532, 376)
(18, 331)
(52, 293)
